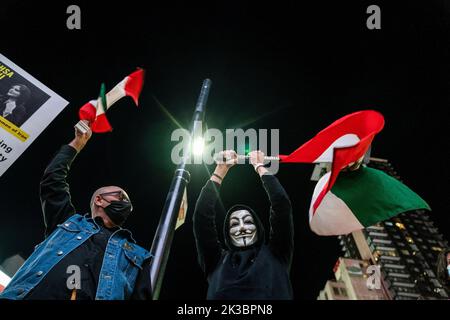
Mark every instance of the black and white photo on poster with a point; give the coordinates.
(19, 98)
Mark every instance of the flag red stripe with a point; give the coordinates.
(87, 112)
(101, 124)
(134, 83)
(320, 197)
(361, 123)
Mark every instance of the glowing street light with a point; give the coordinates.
(198, 146)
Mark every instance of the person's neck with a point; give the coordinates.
(102, 223)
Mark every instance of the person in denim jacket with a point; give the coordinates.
(83, 257)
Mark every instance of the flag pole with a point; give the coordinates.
(164, 234)
(268, 158)
(245, 157)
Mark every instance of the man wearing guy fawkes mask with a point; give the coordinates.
(83, 257)
(247, 266)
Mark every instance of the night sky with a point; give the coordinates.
(295, 66)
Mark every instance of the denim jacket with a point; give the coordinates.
(121, 263)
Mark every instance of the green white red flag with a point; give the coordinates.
(95, 110)
(345, 201)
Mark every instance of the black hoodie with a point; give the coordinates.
(259, 271)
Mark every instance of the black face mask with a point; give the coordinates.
(118, 211)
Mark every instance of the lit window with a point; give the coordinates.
(400, 225)
(392, 253)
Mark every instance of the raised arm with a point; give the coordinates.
(54, 190)
(207, 241)
(281, 239)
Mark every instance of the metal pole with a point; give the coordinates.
(164, 234)
(267, 158)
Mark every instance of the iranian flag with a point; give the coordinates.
(344, 199)
(95, 110)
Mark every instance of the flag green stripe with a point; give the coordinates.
(374, 196)
(102, 96)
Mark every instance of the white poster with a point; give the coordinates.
(26, 108)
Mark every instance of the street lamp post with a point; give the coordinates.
(164, 234)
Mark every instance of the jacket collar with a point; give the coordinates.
(98, 222)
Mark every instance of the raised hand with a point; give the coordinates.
(81, 138)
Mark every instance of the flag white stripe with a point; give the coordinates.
(346, 140)
(317, 190)
(116, 93)
(334, 217)
(99, 107)
(4, 279)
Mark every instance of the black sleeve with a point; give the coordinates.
(54, 190)
(281, 239)
(205, 232)
(143, 288)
